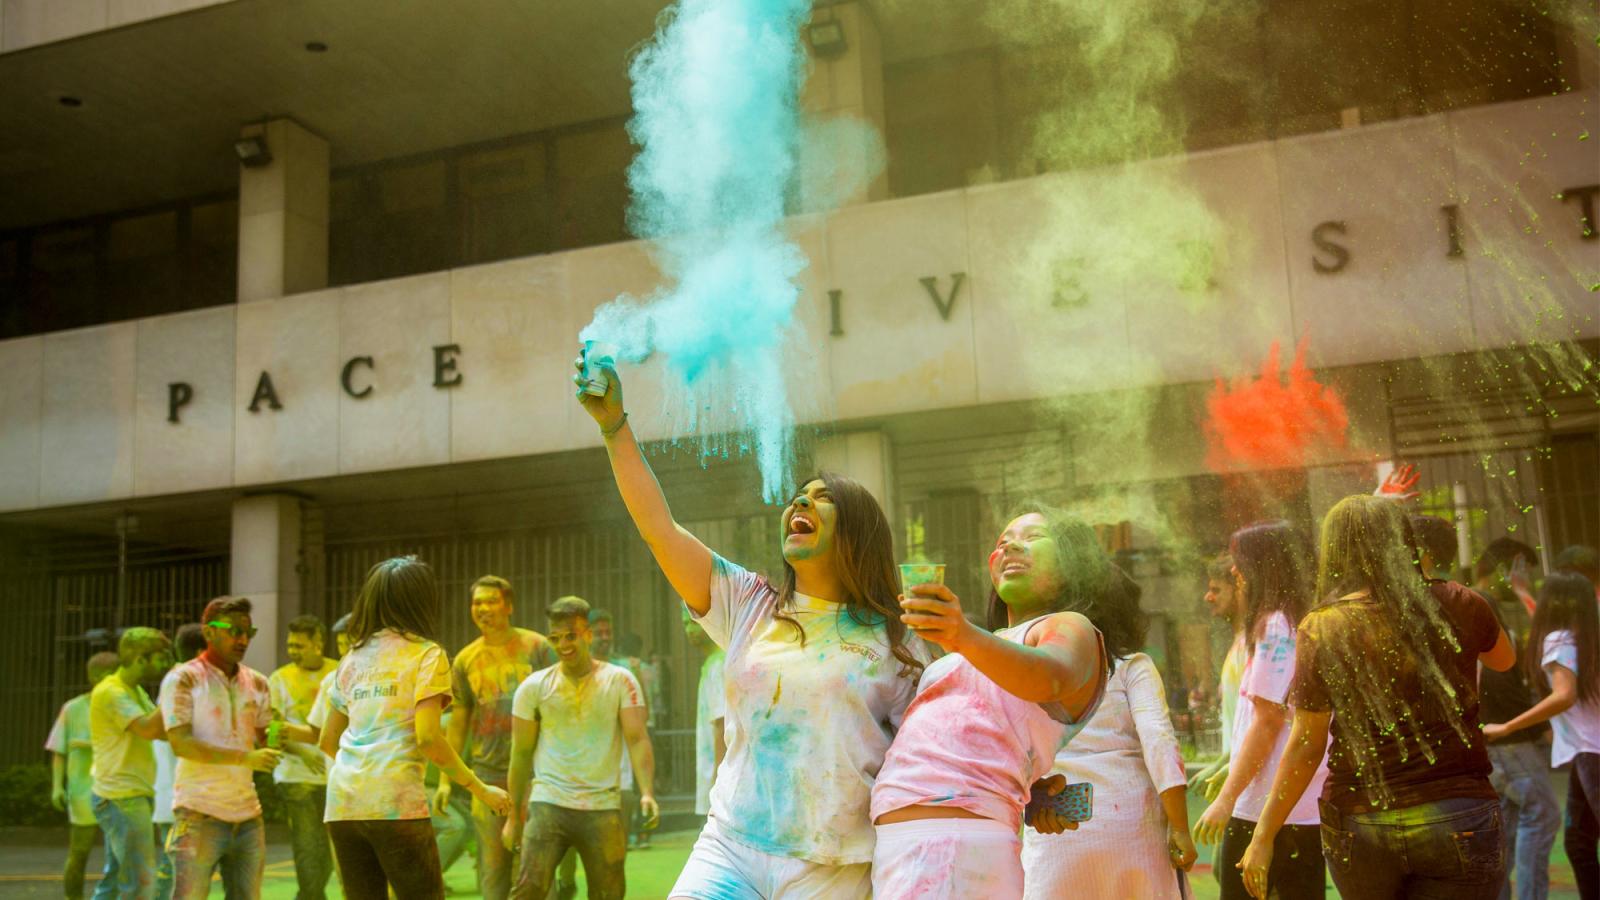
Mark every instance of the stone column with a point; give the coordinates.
(266, 568)
(849, 84)
(866, 457)
(283, 214)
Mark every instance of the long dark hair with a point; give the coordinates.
(1090, 585)
(399, 594)
(1276, 564)
(1567, 603)
(864, 562)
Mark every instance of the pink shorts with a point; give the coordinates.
(947, 859)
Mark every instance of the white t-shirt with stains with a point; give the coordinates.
(377, 773)
(580, 733)
(1268, 675)
(223, 712)
(807, 725)
(1578, 729)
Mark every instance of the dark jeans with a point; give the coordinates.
(1530, 814)
(453, 828)
(200, 845)
(1296, 873)
(375, 854)
(599, 836)
(78, 847)
(1445, 850)
(1583, 825)
(303, 805)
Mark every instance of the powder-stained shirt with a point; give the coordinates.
(1426, 752)
(1228, 688)
(294, 691)
(124, 764)
(1578, 729)
(807, 725)
(166, 762)
(711, 704)
(69, 737)
(226, 712)
(967, 743)
(580, 733)
(378, 771)
(483, 680)
(318, 716)
(1268, 674)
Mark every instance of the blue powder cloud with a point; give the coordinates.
(716, 117)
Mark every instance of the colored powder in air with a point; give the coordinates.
(1274, 421)
(716, 117)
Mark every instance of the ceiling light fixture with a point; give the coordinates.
(827, 39)
(252, 151)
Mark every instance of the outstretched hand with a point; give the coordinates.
(934, 613)
(606, 410)
(1399, 483)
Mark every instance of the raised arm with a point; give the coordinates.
(682, 557)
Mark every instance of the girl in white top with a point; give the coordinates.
(382, 729)
(1137, 844)
(1564, 653)
(1274, 567)
(818, 673)
(990, 716)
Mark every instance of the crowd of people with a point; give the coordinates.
(857, 737)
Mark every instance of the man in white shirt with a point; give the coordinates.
(302, 776)
(569, 723)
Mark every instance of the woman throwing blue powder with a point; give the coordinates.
(819, 673)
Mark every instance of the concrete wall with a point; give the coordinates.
(83, 414)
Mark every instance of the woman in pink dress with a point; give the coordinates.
(990, 716)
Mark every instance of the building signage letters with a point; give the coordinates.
(1331, 240)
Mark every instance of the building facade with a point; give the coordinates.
(263, 378)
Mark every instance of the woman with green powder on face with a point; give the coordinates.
(819, 671)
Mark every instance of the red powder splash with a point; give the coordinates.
(1274, 421)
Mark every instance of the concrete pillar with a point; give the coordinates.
(283, 214)
(850, 83)
(266, 568)
(866, 457)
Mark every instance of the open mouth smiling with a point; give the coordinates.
(800, 523)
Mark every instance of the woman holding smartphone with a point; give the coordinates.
(819, 670)
(990, 716)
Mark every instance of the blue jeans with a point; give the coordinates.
(1531, 813)
(200, 844)
(130, 848)
(1445, 850)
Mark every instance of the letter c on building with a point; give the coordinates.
(349, 370)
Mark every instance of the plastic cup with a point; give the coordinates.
(912, 574)
(596, 355)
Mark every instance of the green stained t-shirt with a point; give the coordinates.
(70, 738)
(483, 680)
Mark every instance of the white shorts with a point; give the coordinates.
(723, 869)
(947, 859)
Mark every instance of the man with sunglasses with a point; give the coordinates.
(219, 722)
